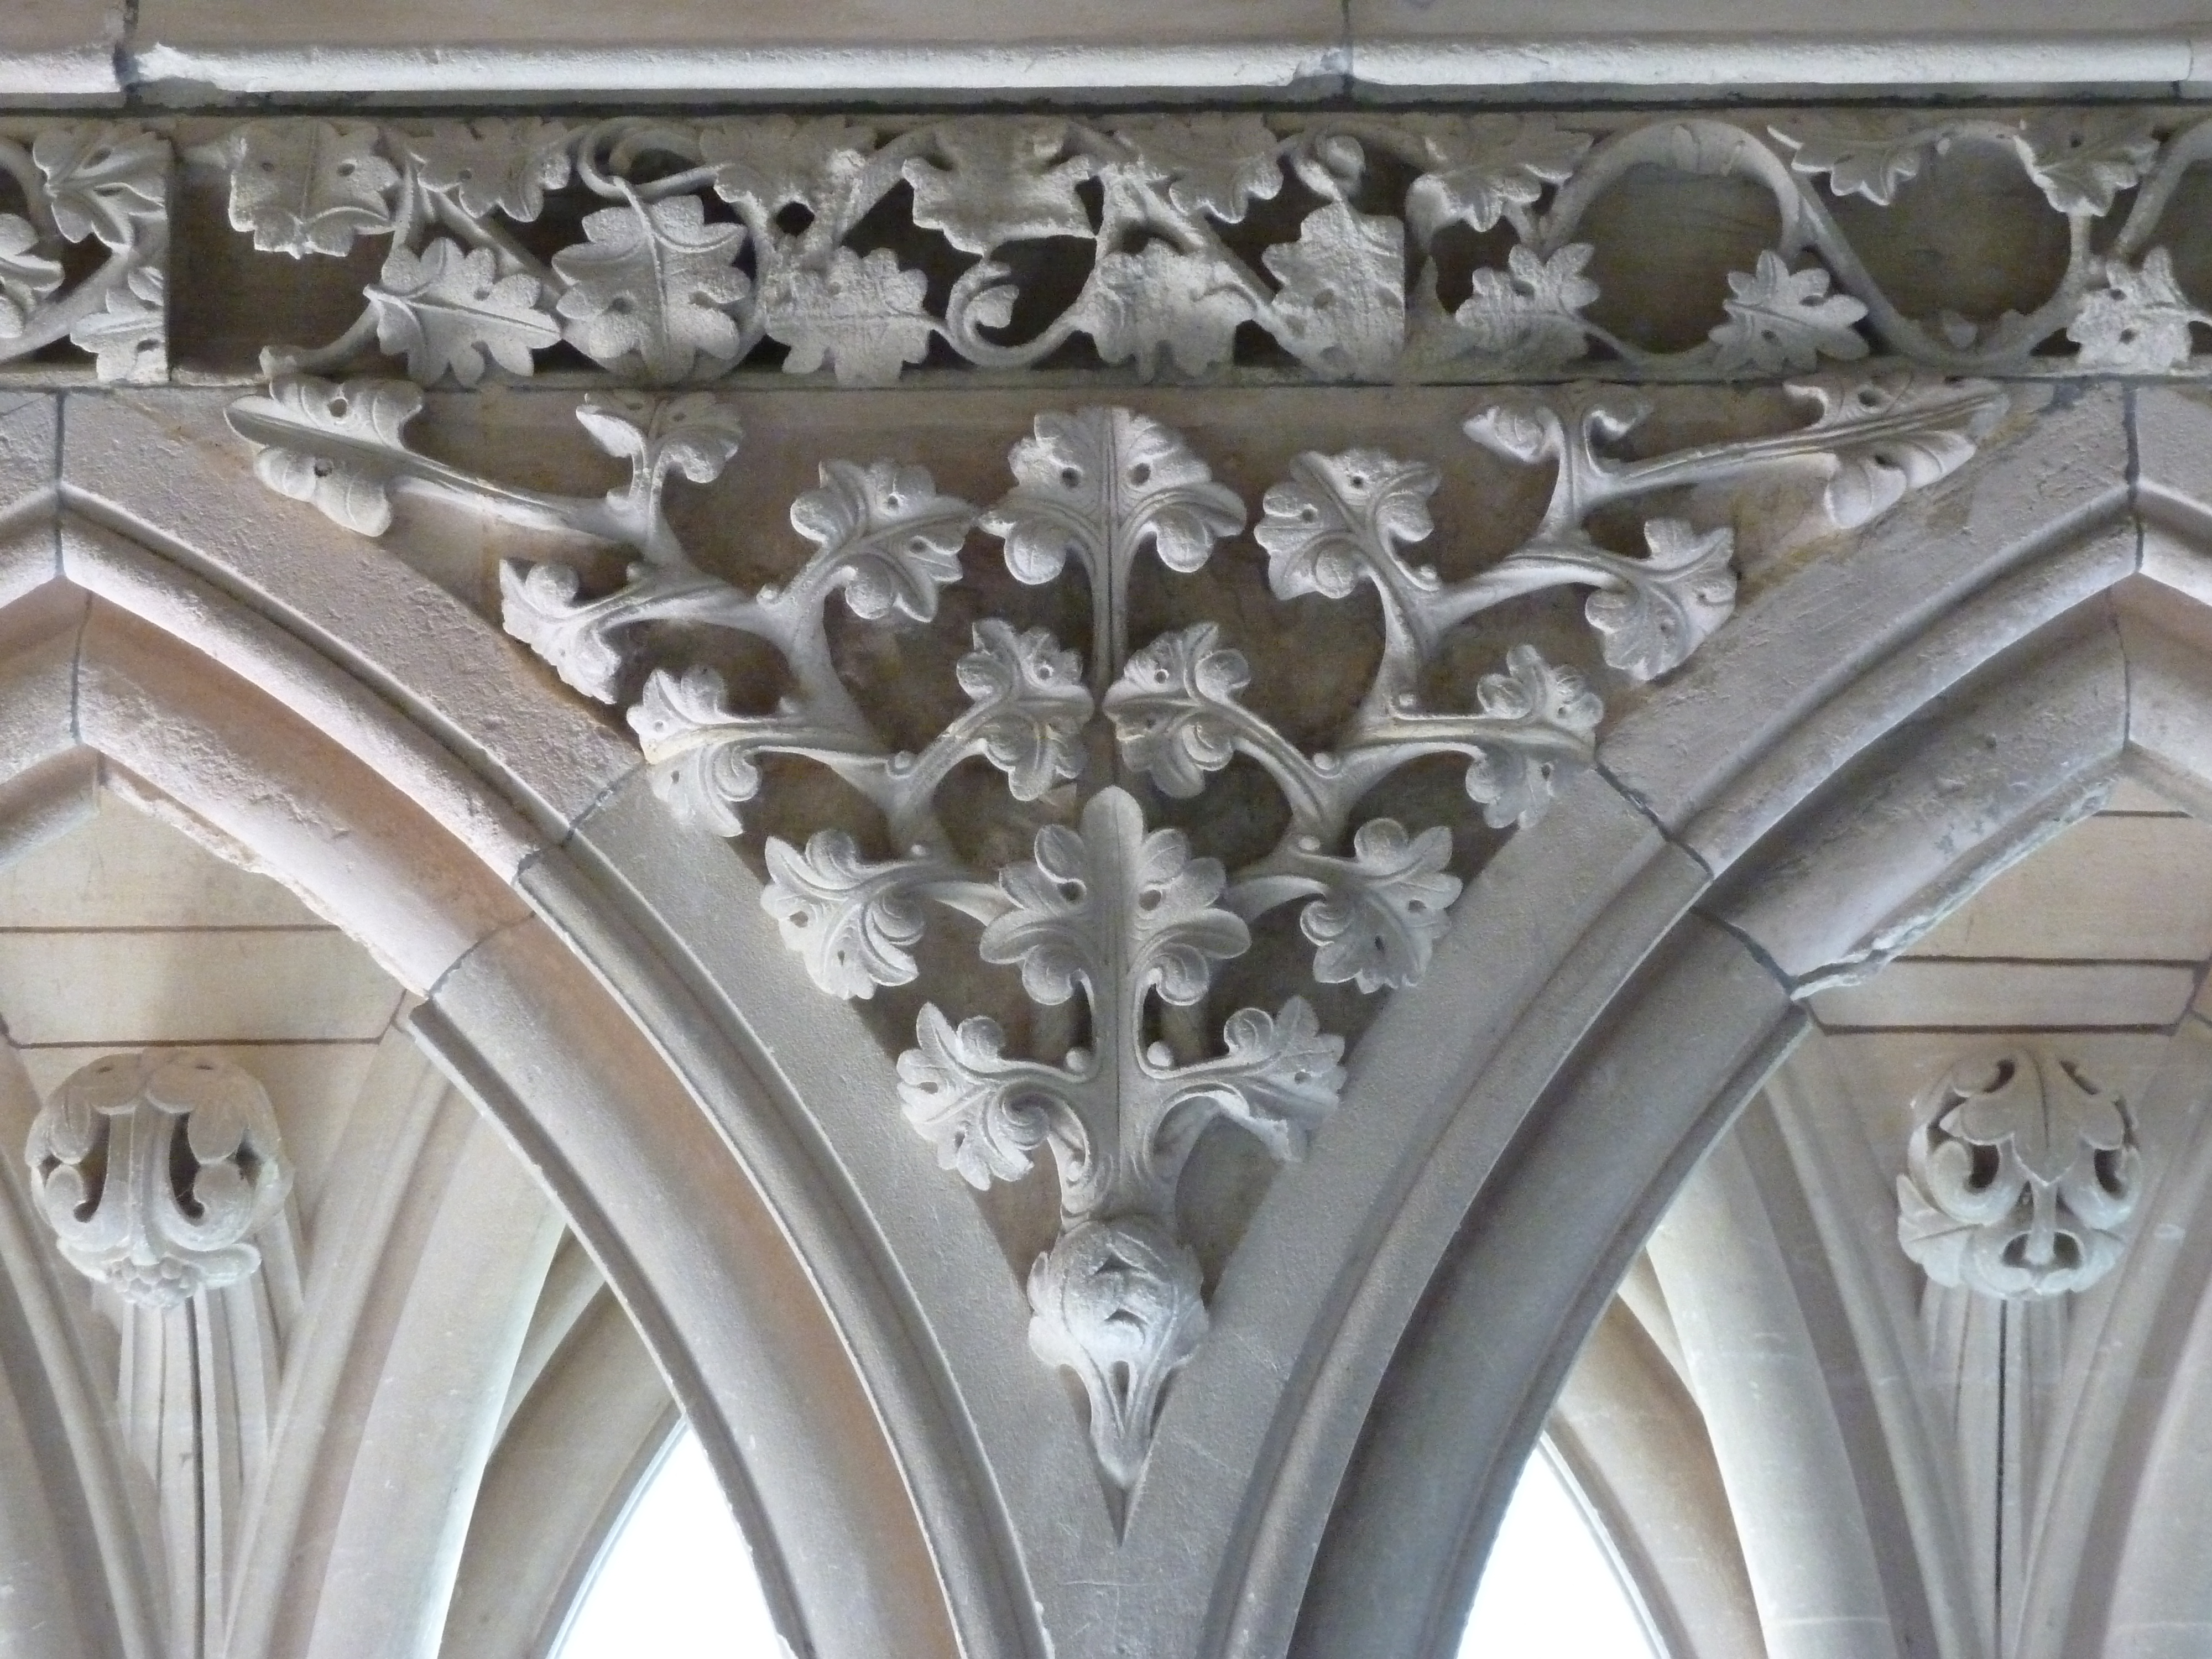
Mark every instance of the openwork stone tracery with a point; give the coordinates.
(1115, 929)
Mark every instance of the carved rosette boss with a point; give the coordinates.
(2021, 1172)
(1114, 929)
(155, 1170)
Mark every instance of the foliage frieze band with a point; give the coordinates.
(1199, 246)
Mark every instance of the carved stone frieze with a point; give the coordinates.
(2022, 1172)
(1115, 1040)
(1340, 245)
(155, 1170)
(1344, 245)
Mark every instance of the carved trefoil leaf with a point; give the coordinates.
(1115, 928)
(155, 1170)
(2021, 1173)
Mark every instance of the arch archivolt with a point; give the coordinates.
(1891, 716)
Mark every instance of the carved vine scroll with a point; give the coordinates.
(1116, 930)
(1365, 247)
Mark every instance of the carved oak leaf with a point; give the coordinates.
(1513, 781)
(1033, 706)
(1868, 156)
(1172, 709)
(1885, 435)
(492, 166)
(654, 280)
(102, 180)
(986, 1115)
(1119, 1304)
(1386, 908)
(865, 317)
(1211, 163)
(1779, 318)
(2080, 161)
(701, 761)
(1665, 606)
(1527, 316)
(1113, 906)
(894, 540)
(1000, 181)
(1480, 168)
(1162, 303)
(1341, 308)
(1279, 1079)
(128, 336)
(1101, 481)
(2138, 323)
(854, 923)
(773, 161)
(348, 447)
(448, 310)
(26, 276)
(1339, 519)
(306, 188)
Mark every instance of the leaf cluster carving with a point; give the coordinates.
(702, 242)
(2021, 1173)
(1099, 911)
(99, 185)
(155, 1170)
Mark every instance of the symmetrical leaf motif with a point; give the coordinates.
(1129, 918)
(1097, 484)
(1000, 181)
(304, 187)
(2020, 1171)
(654, 282)
(447, 311)
(1118, 1303)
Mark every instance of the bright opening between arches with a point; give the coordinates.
(675, 1579)
(1551, 1586)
